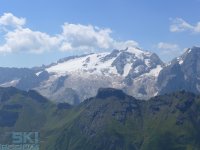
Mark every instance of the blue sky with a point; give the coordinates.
(37, 32)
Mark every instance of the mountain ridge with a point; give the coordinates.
(116, 69)
(114, 121)
(137, 72)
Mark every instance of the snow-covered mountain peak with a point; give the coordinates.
(118, 62)
(137, 52)
(90, 63)
(131, 69)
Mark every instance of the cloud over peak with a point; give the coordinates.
(19, 38)
(168, 50)
(167, 46)
(88, 36)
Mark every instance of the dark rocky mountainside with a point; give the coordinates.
(183, 73)
(111, 120)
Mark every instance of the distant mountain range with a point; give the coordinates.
(137, 72)
(111, 120)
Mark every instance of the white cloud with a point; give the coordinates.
(125, 44)
(28, 40)
(85, 37)
(73, 37)
(180, 25)
(167, 46)
(168, 50)
(9, 19)
(82, 37)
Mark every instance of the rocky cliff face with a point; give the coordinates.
(183, 73)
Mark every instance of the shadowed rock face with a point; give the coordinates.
(121, 61)
(61, 106)
(171, 79)
(182, 74)
(36, 96)
(111, 55)
(104, 93)
(191, 63)
(8, 118)
(59, 83)
(6, 93)
(12, 107)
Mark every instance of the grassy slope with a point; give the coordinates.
(169, 122)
